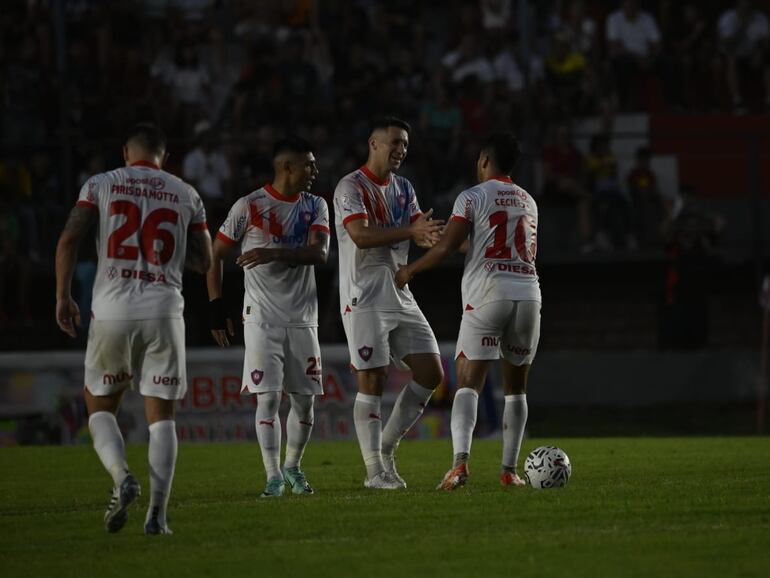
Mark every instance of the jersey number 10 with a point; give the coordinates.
(499, 249)
(149, 232)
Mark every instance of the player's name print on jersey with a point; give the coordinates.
(145, 215)
(500, 263)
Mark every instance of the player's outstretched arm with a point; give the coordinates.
(198, 257)
(314, 253)
(424, 231)
(78, 223)
(219, 323)
(454, 236)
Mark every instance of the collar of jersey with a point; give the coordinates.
(372, 177)
(145, 164)
(502, 179)
(269, 188)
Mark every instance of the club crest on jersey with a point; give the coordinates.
(365, 352)
(256, 376)
(306, 216)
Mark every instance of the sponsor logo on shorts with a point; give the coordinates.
(256, 376)
(519, 350)
(490, 341)
(165, 380)
(110, 378)
(365, 352)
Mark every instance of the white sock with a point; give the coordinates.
(299, 426)
(268, 425)
(464, 409)
(514, 420)
(368, 422)
(407, 410)
(162, 458)
(109, 445)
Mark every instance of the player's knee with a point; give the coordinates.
(429, 375)
(269, 402)
(302, 404)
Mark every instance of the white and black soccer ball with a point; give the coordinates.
(547, 467)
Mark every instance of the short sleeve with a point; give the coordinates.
(89, 193)
(320, 221)
(464, 209)
(198, 221)
(414, 205)
(348, 198)
(236, 223)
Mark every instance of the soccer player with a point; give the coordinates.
(283, 231)
(150, 225)
(501, 296)
(376, 215)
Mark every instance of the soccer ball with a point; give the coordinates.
(547, 467)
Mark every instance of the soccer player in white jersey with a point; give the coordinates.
(376, 216)
(501, 297)
(150, 225)
(283, 231)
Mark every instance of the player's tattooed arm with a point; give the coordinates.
(314, 253)
(80, 220)
(199, 256)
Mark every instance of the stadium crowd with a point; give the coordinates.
(227, 78)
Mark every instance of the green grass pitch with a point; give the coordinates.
(634, 507)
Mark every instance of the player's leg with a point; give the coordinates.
(471, 375)
(163, 382)
(107, 375)
(518, 347)
(303, 374)
(367, 335)
(414, 343)
(263, 375)
(161, 457)
(478, 343)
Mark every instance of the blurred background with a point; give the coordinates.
(646, 131)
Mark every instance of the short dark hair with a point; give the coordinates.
(389, 121)
(148, 136)
(292, 144)
(503, 148)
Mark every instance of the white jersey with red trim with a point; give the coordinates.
(367, 276)
(145, 214)
(277, 293)
(500, 263)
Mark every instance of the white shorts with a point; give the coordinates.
(281, 358)
(375, 338)
(507, 329)
(149, 352)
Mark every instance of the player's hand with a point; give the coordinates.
(403, 276)
(254, 257)
(426, 231)
(219, 324)
(68, 316)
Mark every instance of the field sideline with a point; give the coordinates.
(634, 507)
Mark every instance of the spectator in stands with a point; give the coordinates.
(648, 208)
(580, 30)
(611, 207)
(744, 36)
(692, 59)
(207, 169)
(690, 243)
(568, 78)
(563, 181)
(634, 41)
(467, 59)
